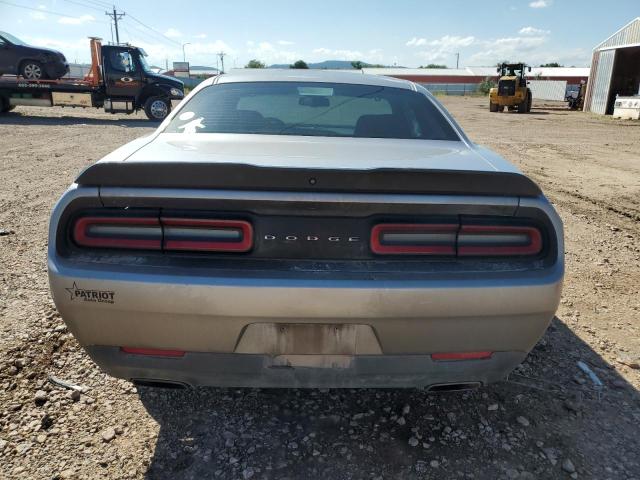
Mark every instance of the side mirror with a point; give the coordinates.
(498, 69)
(529, 68)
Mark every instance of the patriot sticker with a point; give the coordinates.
(86, 295)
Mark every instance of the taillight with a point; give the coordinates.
(500, 240)
(414, 239)
(453, 239)
(144, 233)
(205, 235)
(148, 233)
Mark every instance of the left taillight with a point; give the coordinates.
(142, 233)
(164, 233)
(205, 235)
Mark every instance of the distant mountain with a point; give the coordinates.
(327, 64)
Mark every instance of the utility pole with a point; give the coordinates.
(457, 59)
(115, 16)
(222, 55)
(184, 54)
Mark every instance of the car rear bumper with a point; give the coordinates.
(209, 318)
(246, 370)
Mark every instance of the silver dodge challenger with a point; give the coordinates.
(306, 229)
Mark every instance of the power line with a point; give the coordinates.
(86, 5)
(100, 3)
(45, 12)
(154, 30)
(48, 12)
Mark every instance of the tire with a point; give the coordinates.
(4, 105)
(157, 108)
(501, 108)
(522, 107)
(493, 107)
(32, 70)
(529, 102)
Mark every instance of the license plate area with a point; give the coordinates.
(299, 339)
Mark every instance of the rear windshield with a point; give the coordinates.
(312, 109)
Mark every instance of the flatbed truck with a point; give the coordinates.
(120, 81)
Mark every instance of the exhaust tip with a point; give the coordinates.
(166, 384)
(453, 387)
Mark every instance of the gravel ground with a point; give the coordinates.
(547, 421)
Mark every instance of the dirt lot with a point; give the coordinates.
(547, 421)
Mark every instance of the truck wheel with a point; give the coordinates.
(32, 70)
(493, 107)
(529, 102)
(522, 107)
(501, 108)
(4, 105)
(157, 108)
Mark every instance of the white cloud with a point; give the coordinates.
(38, 15)
(508, 48)
(173, 33)
(269, 53)
(533, 31)
(540, 3)
(81, 20)
(285, 42)
(442, 47)
(339, 54)
(200, 36)
(416, 42)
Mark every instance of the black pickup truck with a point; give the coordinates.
(120, 81)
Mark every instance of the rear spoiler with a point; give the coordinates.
(233, 176)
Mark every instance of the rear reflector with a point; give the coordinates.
(204, 235)
(156, 352)
(142, 233)
(461, 356)
(491, 240)
(414, 239)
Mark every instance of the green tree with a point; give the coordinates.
(299, 64)
(486, 85)
(433, 65)
(255, 64)
(358, 65)
(552, 64)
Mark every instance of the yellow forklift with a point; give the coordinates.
(512, 91)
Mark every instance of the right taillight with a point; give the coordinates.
(466, 240)
(414, 239)
(498, 240)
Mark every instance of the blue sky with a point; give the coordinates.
(410, 33)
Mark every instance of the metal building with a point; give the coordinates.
(615, 69)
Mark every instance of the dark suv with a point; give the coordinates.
(33, 63)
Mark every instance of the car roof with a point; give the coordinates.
(303, 75)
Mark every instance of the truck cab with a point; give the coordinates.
(129, 83)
